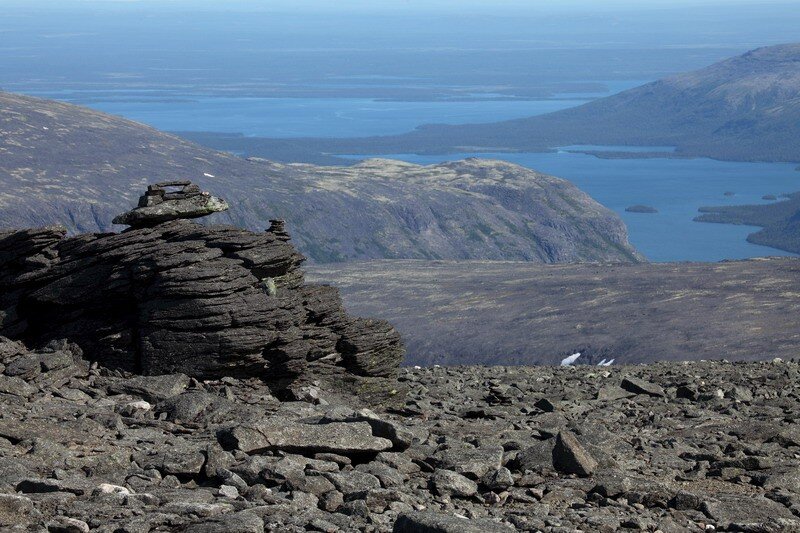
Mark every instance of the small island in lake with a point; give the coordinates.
(769, 197)
(641, 209)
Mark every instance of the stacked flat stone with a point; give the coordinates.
(206, 301)
(162, 203)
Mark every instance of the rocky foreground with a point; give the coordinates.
(667, 447)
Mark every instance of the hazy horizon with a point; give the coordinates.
(88, 44)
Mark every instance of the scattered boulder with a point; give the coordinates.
(153, 388)
(16, 386)
(727, 510)
(401, 438)
(15, 508)
(447, 482)
(344, 438)
(241, 522)
(537, 457)
(467, 459)
(570, 457)
(431, 522)
(501, 479)
(613, 393)
(640, 386)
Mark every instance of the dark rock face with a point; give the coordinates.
(205, 301)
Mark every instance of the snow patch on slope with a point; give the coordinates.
(567, 361)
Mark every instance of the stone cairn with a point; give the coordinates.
(160, 204)
(168, 295)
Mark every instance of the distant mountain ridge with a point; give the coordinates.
(746, 108)
(63, 164)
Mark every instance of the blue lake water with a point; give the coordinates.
(306, 117)
(617, 148)
(676, 187)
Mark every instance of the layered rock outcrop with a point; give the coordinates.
(206, 301)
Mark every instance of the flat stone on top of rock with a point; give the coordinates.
(160, 203)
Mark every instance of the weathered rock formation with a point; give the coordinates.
(207, 301)
(160, 203)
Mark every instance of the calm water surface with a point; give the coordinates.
(308, 117)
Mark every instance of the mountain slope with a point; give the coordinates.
(489, 312)
(745, 108)
(65, 164)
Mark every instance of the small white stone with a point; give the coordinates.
(140, 404)
(108, 488)
(229, 491)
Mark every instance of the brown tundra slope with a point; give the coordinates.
(485, 312)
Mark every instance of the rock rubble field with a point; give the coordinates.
(672, 447)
